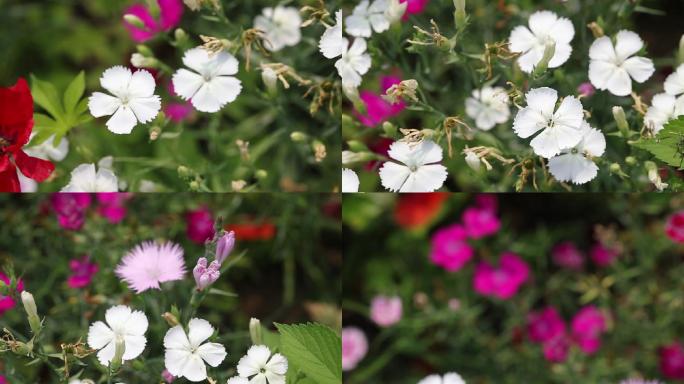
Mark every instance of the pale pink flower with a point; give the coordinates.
(354, 347)
(454, 304)
(224, 246)
(386, 310)
(206, 275)
(586, 89)
(149, 264)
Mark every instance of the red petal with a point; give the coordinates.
(33, 167)
(16, 104)
(9, 182)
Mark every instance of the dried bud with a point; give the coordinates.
(170, 318)
(238, 185)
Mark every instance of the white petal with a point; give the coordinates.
(186, 83)
(529, 60)
(116, 80)
(561, 55)
(330, 44)
(542, 100)
(453, 378)
(106, 354)
(137, 324)
(600, 72)
(99, 335)
(237, 380)
(521, 39)
(253, 361)
(81, 178)
(399, 151)
(619, 83)
(176, 338)
(350, 181)
(106, 181)
(593, 142)
(175, 360)
(393, 176)
(123, 121)
(145, 108)
(357, 26)
(199, 331)
(135, 345)
(562, 32)
(427, 152)
(102, 104)
(602, 49)
(639, 68)
(117, 317)
(142, 84)
(427, 178)
(541, 22)
(225, 88)
(432, 379)
(274, 378)
(350, 78)
(528, 121)
(226, 64)
(205, 101)
(570, 113)
(194, 369)
(379, 22)
(258, 379)
(574, 168)
(277, 364)
(627, 44)
(212, 353)
(198, 59)
(674, 84)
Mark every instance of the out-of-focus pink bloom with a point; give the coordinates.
(450, 249)
(3, 380)
(170, 13)
(672, 361)
(586, 89)
(480, 222)
(354, 347)
(385, 310)
(567, 255)
(640, 381)
(454, 304)
(378, 110)
(206, 275)
(200, 225)
(112, 205)
(602, 255)
(502, 282)
(674, 228)
(82, 272)
(486, 201)
(7, 302)
(71, 209)
(149, 264)
(545, 325)
(414, 7)
(587, 326)
(380, 147)
(556, 350)
(178, 112)
(167, 376)
(224, 246)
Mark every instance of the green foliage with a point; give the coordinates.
(668, 145)
(313, 348)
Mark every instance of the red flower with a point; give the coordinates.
(16, 124)
(418, 209)
(252, 231)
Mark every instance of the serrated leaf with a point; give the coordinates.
(315, 349)
(46, 96)
(668, 145)
(73, 93)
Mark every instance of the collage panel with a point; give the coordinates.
(162, 288)
(508, 288)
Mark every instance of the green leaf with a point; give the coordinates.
(46, 96)
(315, 349)
(668, 145)
(74, 92)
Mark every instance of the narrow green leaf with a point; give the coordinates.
(46, 96)
(315, 349)
(73, 93)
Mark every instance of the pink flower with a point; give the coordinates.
(586, 89)
(167, 376)
(480, 222)
(556, 350)
(587, 326)
(71, 209)
(3, 380)
(486, 201)
(200, 225)
(640, 381)
(170, 11)
(7, 302)
(354, 347)
(206, 275)
(602, 255)
(224, 246)
(454, 304)
(567, 255)
(378, 110)
(674, 228)
(82, 272)
(385, 310)
(545, 325)
(149, 264)
(414, 7)
(672, 361)
(450, 250)
(112, 205)
(178, 112)
(502, 282)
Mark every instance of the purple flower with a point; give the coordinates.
(224, 246)
(82, 272)
(502, 282)
(171, 12)
(385, 310)
(206, 275)
(71, 209)
(149, 264)
(450, 250)
(567, 255)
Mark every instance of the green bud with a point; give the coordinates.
(357, 146)
(181, 36)
(543, 65)
(194, 186)
(621, 120)
(155, 131)
(299, 137)
(460, 16)
(183, 171)
(255, 331)
(134, 21)
(119, 350)
(650, 166)
(261, 174)
(31, 312)
(389, 129)
(615, 168)
(680, 52)
(630, 160)
(145, 51)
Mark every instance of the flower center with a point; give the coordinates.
(413, 168)
(574, 151)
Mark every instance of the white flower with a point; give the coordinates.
(185, 354)
(663, 108)
(560, 130)
(85, 179)
(368, 18)
(488, 107)
(449, 378)
(121, 323)
(395, 10)
(47, 149)
(212, 85)
(350, 181)
(612, 68)
(354, 62)
(133, 101)
(545, 27)
(281, 27)
(417, 173)
(575, 165)
(674, 84)
(260, 367)
(331, 44)
(237, 380)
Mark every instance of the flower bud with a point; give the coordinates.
(119, 350)
(224, 246)
(145, 50)
(549, 52)
(680, 52)
(140, 61)
(630, 160)
(170, 318)
(389, 129)
(615, 168)
(473, 161)
(596, 29)
(460, 14)
(270, 79)
(357, 146)
(395, 10)
(155, 131)
(255, 331)
(621, 120)
(205, 275)
(181, 36)
(134, 21)
(298, 136)
(31, 312)
(654, 176)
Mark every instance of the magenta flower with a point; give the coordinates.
(480, 222)
(545, 325)
(7, 302)
(586, 89)
(167, 376)
(672, 361)
(3, 380)
(556, 350)
(200, 225)
(450, 250)
(71, 209)
(385, 310)
(602, 255)
(112, 205)
(178, 112)
(206, 275)
(414, 7)
(502, 282)
(224, 246)
(674, 228)
(567, 255)
(149, 264)
(354, 347)
(587, 326)
(82, 272)
(486, 201)
(378, 110)
(170, 12)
